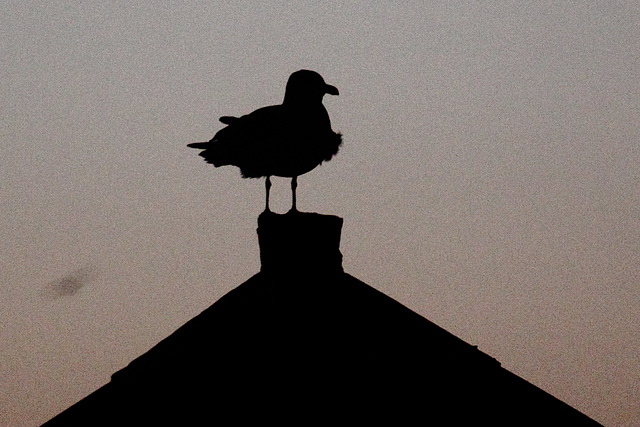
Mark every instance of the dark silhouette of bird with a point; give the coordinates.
(285, 140)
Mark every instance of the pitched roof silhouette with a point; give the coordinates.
(301, 342)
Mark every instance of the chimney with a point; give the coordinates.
(299, 243)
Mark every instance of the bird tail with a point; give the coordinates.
(211, 153)
(198, 145)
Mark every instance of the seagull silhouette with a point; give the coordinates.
(285, 140)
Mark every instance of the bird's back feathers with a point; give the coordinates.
(227, 120)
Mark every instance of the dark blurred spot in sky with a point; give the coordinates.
(71, 283)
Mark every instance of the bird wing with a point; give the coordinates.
(245, 137)
(276, 140)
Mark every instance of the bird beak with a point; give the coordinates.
(331, 90)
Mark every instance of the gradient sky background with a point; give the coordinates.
(489, 178)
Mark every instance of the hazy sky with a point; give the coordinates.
(489, 178)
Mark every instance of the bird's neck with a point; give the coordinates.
(305, 101)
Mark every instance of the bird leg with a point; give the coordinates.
(294, 185)
(267, 184)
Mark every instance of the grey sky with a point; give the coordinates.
(489, 178)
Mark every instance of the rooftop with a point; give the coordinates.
(304, 341)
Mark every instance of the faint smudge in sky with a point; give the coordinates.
(69, 284)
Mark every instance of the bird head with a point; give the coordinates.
(307, 86)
